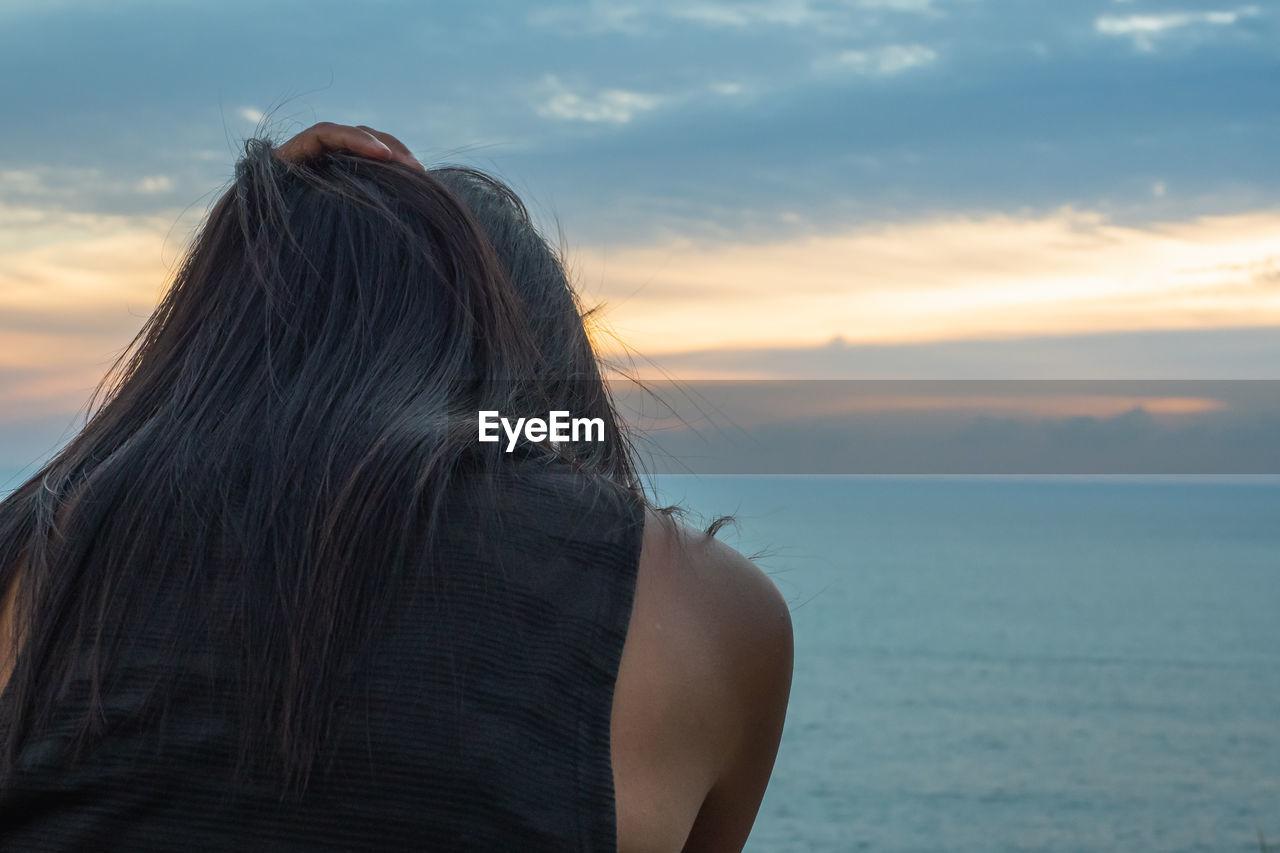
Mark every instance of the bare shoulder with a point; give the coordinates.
(737, 611)
(709, 658)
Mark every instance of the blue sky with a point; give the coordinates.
(941, 187)
(628, 118)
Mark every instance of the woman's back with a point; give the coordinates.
(481, 723)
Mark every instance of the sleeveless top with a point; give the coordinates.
(482, 722)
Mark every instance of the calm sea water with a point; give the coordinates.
(999, 665)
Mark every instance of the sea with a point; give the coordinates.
(993, 664)
(1019, 664)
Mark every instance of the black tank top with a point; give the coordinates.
(482, 724)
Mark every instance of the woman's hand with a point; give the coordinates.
(360, 140)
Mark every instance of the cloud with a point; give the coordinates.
(1199, 354)
(611, 106)
(913, 6)
(251, 114)
(44, 187)
(1145, 29)
(789, 13)
(639, 18)
(883, 61)
(952, 277)
(74, 289)
(728, 89)
(41, 197)
(155, 184)
(21, 181)
(593, 18)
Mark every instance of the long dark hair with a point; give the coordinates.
(291, 415)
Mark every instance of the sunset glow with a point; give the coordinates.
(73, 301)
(934, 280)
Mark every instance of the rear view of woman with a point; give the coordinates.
(277, 595)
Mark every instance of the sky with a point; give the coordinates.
(786, 188)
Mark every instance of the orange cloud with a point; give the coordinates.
(75, 288)
(987, 276)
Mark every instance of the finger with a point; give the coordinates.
(327, 136)
(398, 148)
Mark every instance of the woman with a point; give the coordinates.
(277, 594)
